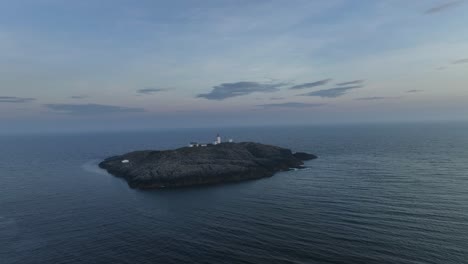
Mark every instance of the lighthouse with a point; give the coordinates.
(218, 139)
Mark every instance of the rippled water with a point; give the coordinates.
(377, 194)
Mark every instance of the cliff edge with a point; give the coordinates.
(188, 166)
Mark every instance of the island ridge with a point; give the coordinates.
(212, 164)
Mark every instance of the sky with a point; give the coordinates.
(128, 64)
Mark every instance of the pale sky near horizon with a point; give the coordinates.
(123, 63)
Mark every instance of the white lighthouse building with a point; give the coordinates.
(216, 142)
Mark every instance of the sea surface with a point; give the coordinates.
(394, 193)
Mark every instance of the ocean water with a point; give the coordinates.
(395, 193)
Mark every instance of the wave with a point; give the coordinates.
(92, 166)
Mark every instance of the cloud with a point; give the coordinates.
(291, 105)
(91, 109)
(375, 98)
(276, 98)
(78, 96)
(442, 7)
(14, 99)
(333, 92)
(460, 61)
(415, 91)
(310, 85)
(227, 90)
(351, 82)
(151, 90)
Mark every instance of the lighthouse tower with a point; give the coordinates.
(218, 139)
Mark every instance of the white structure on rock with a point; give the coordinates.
(216, 142)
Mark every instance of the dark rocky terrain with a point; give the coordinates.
(226, 162)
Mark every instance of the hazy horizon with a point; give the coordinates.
(211, 130)
(113, 65)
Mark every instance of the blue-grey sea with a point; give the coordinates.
(387, 193)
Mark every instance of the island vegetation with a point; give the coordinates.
(212, 164)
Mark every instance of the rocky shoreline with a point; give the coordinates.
(213, 164)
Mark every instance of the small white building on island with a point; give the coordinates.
(216, 142)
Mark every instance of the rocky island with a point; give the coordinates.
(211, 164)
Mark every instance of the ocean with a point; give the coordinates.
(386, 193)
